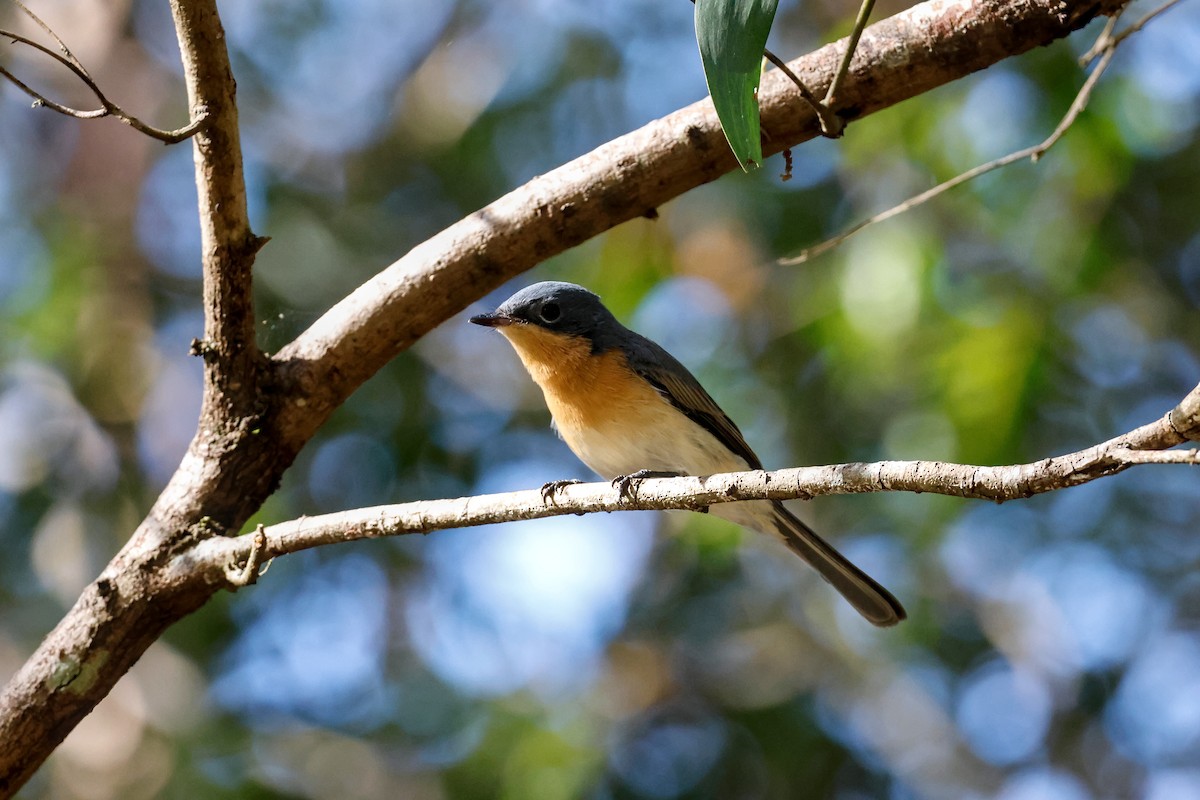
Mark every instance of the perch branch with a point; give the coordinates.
(1144, 445)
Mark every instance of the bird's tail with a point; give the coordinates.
(869, 598)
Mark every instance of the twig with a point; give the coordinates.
(49, 32)
(1106, 40)
(107, 109)
(831, 124)
(1102, 41)
(1105, 46)
(246, 571)
(860, 22)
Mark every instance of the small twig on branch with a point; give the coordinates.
(1107, 41)
(66, 51)
(1104, 47)
(68, 60)
(860, 22)
(1102, 41)
(246, 572)
(1144, 445)
(831, 124)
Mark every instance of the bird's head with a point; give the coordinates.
(556, 307)
(555, 327)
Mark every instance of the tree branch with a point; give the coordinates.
(1144, 445)
(900, 57)
(228, 245)
(1032, 153)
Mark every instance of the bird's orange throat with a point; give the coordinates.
(585, 391)
(550, 358)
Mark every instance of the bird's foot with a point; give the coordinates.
(549, 489)
(626, 485)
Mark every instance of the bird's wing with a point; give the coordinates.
(681, 388)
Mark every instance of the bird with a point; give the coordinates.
(629, 409)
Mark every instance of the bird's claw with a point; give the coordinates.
(626, 485)
(550, 488)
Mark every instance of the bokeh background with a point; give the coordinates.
(1053, 649)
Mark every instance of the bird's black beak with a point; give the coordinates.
(493, 320)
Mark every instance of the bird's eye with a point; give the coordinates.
(550, 312)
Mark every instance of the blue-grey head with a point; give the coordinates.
(558, 307)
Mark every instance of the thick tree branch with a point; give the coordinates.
(229, 468)
(257, 415)
(901, 57)
(1144, 445)
(227, 243)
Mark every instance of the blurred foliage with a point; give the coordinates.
(1053, 649)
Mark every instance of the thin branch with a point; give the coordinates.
(108, 108)
(860, 22)
(831, 124)
(1105, 47)
(246, 572)
(1144, 445)
(1102, 41)
(62, 46)
(41, 101)
(1107, 41)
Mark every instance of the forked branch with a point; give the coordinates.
(107, 107)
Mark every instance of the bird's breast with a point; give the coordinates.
(611, 417)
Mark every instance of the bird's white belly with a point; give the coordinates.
(660, 439)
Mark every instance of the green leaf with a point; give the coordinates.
(732, 35)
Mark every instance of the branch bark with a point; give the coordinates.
(227, 243)
(258, 412)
